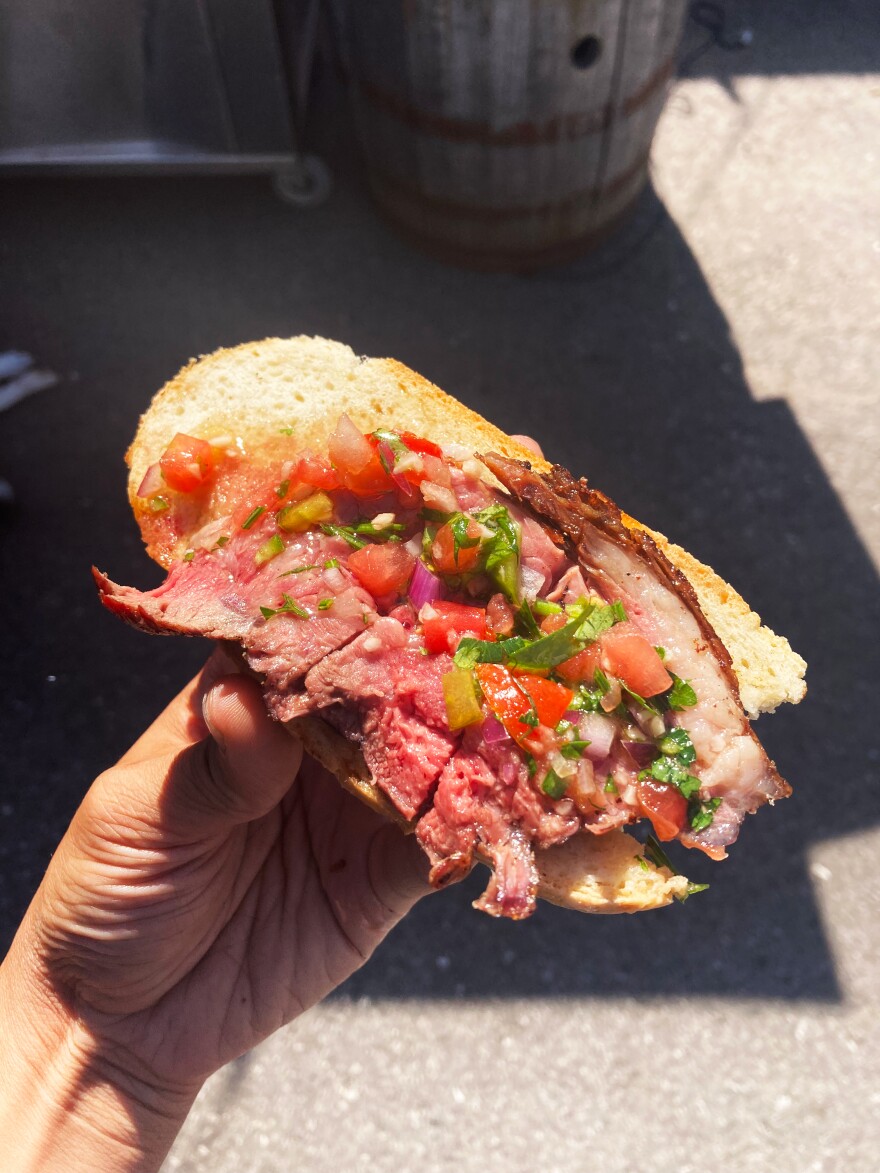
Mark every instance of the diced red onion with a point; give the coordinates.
(531, 580)
(424, 587)
(493, 731)
(409, 495)
(611, 699)
(598, 730)
(386, 455)
(438, 497)
(642, 752)
(334, 578)
(650, 723)
(153, 481)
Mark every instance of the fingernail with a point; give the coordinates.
(211, 697)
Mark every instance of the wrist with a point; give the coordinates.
(67, 1102)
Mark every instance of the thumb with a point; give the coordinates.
(236, 774)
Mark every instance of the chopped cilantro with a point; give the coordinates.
(543, 607)
(610, 786)
(501, 551)
(158, 504)
(472, 651)
(573, 750)
(661, 652)
(701, 812)
(660, 859)
(681, 695)
(356, 535)
(531, 765)
(668, 770)
(189, 555)
(346, 533)
(550, 650)
(599, 619)
(436, 515)
(677, 744)
(254, 516)
(285, 431)
(323, 604)
(288, 606)
(221, 541)
(553, 785)
(530, 718)
(331, 564)
(587, 700)
(299, 570)
(640, 700)
(461, 540)
(384, 534)
(601, 681)
(526, 619)
(642, 862)
(281, 491)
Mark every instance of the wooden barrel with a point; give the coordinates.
(509, 133)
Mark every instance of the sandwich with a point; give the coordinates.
(473, 641)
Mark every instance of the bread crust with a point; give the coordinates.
(252, 392)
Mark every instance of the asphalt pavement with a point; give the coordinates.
(714, 369)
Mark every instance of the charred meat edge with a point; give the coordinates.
(571, 506)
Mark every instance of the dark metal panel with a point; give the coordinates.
(245, 38)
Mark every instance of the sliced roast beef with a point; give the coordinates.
(485, 797)
(472, 806)
(628, 565)
(386, 695)
(220, 593)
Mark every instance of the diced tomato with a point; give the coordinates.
(358, 467)
(550, 699)
(505, 698)
(499, 615)
(582, 666)
(445, 623)
(315, 471)
(420, 445)
(512, 697)
(187, 463)
(664, 805)
(553, 622)
(447, 559)
(383, 570)
(628, 655)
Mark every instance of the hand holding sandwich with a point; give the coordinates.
(198, 901)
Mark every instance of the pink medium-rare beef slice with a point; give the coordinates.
(312, 607)
(396, 692)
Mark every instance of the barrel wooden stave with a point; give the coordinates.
(481, 134)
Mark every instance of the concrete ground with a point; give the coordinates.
(713, 368)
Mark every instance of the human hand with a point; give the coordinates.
(198, 901)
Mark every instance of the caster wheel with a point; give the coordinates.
(304, 186)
